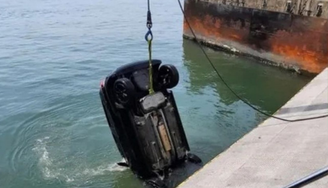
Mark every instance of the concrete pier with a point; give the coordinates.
(276, 153)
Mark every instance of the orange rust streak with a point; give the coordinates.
(207, 28)
(303, 49)
(298, 48)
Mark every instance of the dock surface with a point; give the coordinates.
(276, 153)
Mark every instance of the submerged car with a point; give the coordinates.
(146, 126)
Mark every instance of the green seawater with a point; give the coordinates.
(53, 54)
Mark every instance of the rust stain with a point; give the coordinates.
(306, 48)
(307, 59)
(304, 42)
(207, 28)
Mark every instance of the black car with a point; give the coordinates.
(146, 126)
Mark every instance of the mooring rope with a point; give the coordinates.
(232, 91)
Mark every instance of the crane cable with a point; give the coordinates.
(149, 38)
(232, 91)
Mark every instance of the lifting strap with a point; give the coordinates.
(149, 38)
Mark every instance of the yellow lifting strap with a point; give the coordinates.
(149, 38)
(151, 87)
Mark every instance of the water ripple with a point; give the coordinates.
(53, 54)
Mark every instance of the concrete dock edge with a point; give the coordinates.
(275, 153)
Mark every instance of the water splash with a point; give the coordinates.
(101, 170)
(45, 162)
(51, 168)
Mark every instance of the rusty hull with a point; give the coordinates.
(292, 41)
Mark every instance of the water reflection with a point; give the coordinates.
(264, 86)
